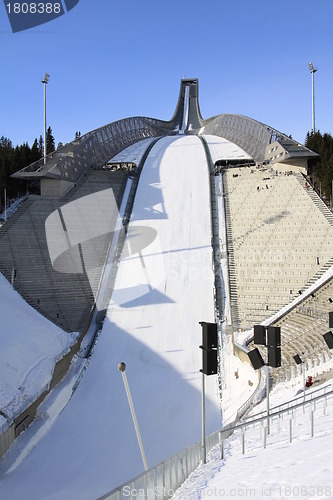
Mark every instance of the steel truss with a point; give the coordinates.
(95, 148)
(249, 134)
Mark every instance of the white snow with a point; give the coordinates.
(11, 209)
(281, 470)
(133, 153)
(30, 346)
(222, 149)
(163, 289)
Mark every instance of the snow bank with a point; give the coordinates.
(30, 346)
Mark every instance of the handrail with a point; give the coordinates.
(308, 398)
(271, 415)
(162, 480)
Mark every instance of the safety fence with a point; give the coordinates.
(160, 482)
(280, 421)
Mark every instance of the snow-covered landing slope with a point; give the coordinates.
(164, 288)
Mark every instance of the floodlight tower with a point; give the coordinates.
(312, 71)
(44, 82)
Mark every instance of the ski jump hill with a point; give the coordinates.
(143, 228)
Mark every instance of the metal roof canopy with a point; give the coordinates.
(95, 148)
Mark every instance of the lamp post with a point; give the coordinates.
(312, 71)
(44, 82)
(122, 368)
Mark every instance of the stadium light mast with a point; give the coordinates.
(313, 71)
(45, 81)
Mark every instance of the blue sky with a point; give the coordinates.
(110, 59)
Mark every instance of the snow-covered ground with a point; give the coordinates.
(11, 209)
(282, 470)
(164, 288)
(30, 347)
(222, 149)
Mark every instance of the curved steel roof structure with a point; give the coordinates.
(95, 148)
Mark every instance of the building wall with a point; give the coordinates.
(54, 187)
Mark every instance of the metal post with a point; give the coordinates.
(313, 104)
(313, 71)
(312, 423)
(44, 82)
(267, 385)
(203, 439)
(243, 442)
(303, 369)
(122, 368)
(45, 145)
(222, 445)
(5, 204)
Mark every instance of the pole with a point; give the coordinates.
(303, 366)
(5, 204)
(267, 393)
(203, 440)
(313, 104)
(45, 146)
(122, 368)
(267, 384)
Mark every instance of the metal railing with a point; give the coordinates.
(274, 415)
(305, 398)
(160, 482)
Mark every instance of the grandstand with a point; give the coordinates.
(64, 298)
(278, 240)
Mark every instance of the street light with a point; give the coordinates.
(122, 368)
(312, 71)
(44, 82)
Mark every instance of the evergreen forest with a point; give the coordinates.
(14, 158)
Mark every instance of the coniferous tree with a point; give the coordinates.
(50, 142)
(15, 158)
(35, 153)
(41, 146)
(321, 168)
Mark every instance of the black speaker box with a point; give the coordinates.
(259, 335)
(297, 359)
(330, 319)
(209, 362)
(209, 335)
(274, 357)
(328, 337)
(256, 359)
(274, 336)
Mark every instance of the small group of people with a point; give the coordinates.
(258, 187)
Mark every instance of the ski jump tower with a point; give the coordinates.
(67, 165)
